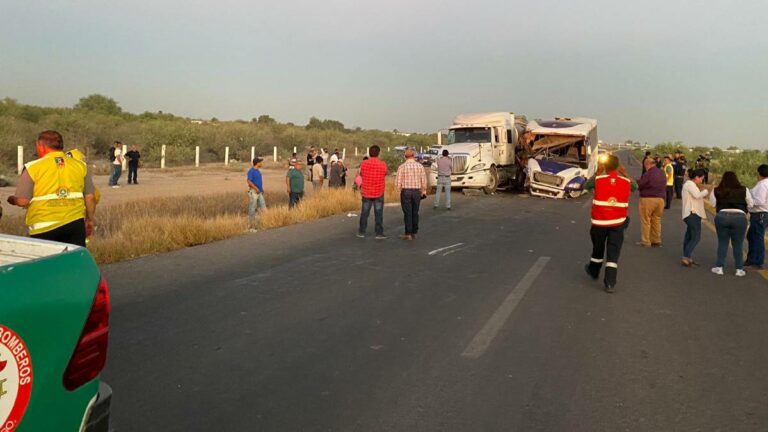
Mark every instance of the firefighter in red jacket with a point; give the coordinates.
(610, 206)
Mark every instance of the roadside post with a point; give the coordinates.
(125, 161)
(355, 151)
(197, 157)
(226, 156)
(274, 154)
(20, 159)
(344, 153)
(253, 153)
(162, 157)
(294, 149)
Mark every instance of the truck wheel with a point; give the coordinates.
(493, 182)
(575, 194)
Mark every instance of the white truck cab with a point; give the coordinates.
(484, 150)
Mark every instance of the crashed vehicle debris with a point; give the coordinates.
(563, 155)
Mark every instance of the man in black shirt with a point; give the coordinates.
(133, 164)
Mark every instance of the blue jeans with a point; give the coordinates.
(443, 182)
(756, 238)
(731, 228)
(692, 234)
(294, 198)
(410, 199)
(256, 200)
(117, 170)
(378, 214)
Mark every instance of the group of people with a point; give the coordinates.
(735, 206)
(321, 166)
(116, 159)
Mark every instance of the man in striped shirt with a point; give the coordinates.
(411, 183)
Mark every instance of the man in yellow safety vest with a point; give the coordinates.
(669, 171)
(58, 193)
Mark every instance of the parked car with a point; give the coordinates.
(54, 329)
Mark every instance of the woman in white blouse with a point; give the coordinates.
(693, 213)
(731, 200)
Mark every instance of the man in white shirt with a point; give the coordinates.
(758, 219)
(116, 157)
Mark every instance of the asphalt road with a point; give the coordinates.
(309, 328)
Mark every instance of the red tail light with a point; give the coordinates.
(91, 350)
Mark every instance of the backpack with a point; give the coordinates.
(112, 154)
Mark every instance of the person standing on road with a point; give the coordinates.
(731, 200)
(444, 169)
(133, 164)
(645, 158)
(318, 174)
(612, 187)
(411, 182)
(693, 214)
(58, 193)
(255, 191)
(294, 181)
(758, 219)
(680, 168)
(116, 158)
(653, 192)
(669, 171)
(373, 174)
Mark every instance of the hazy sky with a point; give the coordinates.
(651, 70)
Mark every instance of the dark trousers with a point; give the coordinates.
(731, 228)
(692, 234)
(294, 198)
(133, 171)
(72, 233)
(606, 239)
(410, 199)
(378, 214)
(679, 186)
(670, 193)
(117, 170)
(756, 238)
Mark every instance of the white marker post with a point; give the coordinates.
(355, 151)
(344, 153)
(162, 157)
(197, 156)
(226, 156)
(20, 159)
(253, 153)
(294, 149)
(274, 154)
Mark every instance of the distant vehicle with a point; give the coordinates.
(484, 150)
(54, 327)
(563, 154)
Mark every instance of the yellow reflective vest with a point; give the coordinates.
(669, 170)
(57, 198)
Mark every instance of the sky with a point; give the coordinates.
(649, 71)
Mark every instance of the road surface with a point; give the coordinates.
(486, 322)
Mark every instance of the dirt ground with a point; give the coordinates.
(154, 182)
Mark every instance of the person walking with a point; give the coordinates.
(612, 187)
(116, 159)
(758, 219)
(693, 214)
(294, 182)
(133, 164)
(334, 177)
(669, 171)
(373, 174)
(653, 192)
(444, 169)
(318, 174)
(255, 191)
(411, 183)
(58, 193)
(731, 200)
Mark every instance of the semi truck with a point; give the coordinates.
(484, 149)
(54, 328)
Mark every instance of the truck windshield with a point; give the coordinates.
(471, 135)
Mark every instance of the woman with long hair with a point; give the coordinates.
(731, 200)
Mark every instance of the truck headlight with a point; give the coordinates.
(477, 167)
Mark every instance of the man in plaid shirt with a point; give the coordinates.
(412, 185)
(373, 172)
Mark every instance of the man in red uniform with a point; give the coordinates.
(610, 206)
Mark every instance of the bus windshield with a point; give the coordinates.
(470, 135)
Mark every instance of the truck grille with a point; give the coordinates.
(547, 179)
(459, 164)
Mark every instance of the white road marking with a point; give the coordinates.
(453, 250)
(436, 251)
(483, 339)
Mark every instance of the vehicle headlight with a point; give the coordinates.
(477, 167)
(575, 185)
